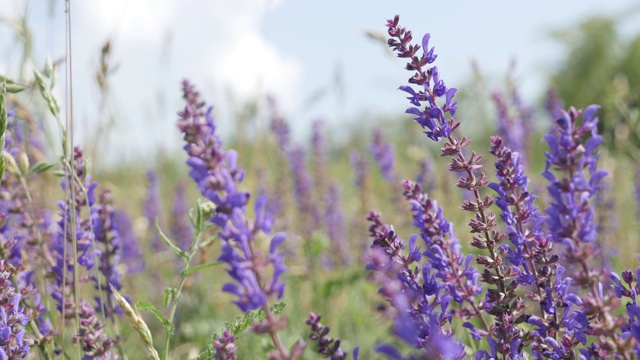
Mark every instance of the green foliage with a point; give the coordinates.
(343, 280)
(170, 243)
(147, 306)
(191, 270)
(46, 87)
(41, 167)
(601, 67)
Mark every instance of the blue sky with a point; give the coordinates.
(235, 50)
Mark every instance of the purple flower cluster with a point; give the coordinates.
(571, 215)
(419, 304)
(326, 346)
(107, 237)
(131, 251)
(13, 317)
(94, 342)
(629, 287)
(510, 128)
(181, 227)
(225, 347)
(383, 153)
(303, 190)
(502, 301)
(153, 209)
(572, 312)
(432, 116)
(217, 174)
(82, 195)
(334, 220)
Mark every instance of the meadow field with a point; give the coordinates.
(470, 224)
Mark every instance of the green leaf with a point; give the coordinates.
(48, 68)
(336, 284)
(58, 173)
(169, 243)
(41, 167)
(241, 323)
(15, 88)
(5, 79)
(168, 296)
(191, 270)
(146, 306)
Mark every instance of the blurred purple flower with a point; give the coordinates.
(107, 237)
(131, 252)
(83, 194)
(383, 153)
(334, 219)
(225, 347)
(303, 189)
(510, 128)
(181, 228)
(361, 166)
(153, 210)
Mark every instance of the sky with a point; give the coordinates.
(294, 50)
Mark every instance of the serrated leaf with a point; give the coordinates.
(169, 243)
(191, 270)
(241, 323)
(41, 167)
(146, 306)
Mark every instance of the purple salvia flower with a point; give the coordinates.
(225, 347)
(532, 259)
(217, 174)
(571, 215)
(437, 118)
(303, 189)
(457, 277)
(153, 209)
(628, 287)
(319, 158)
(334, 220)
(13, 317)
(383, 153)
(94, 342)
(181, 228)
(131, 251)
(510, 128)
(361, 166)
(326, 346)
(279, 126)
(63, 287)
(526, 120)
(419, 306)
(107, 237)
